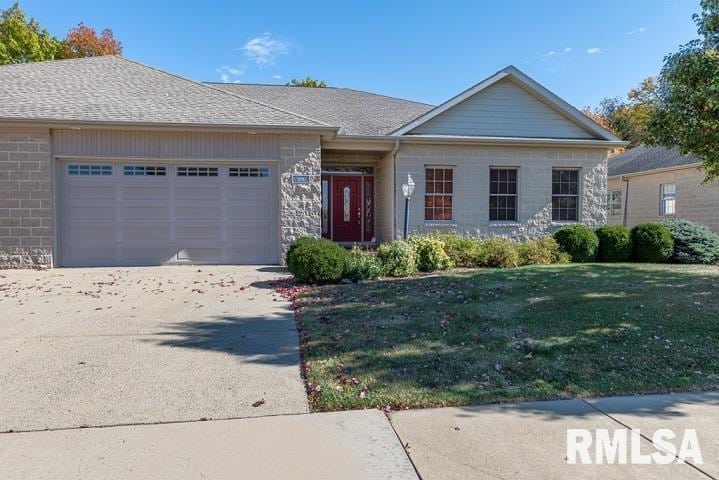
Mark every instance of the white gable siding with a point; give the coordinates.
(503, 110)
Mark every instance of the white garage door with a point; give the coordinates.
(152, 214)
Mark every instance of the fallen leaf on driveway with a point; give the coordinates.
(259, 402)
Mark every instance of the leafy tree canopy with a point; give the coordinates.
(83, 41)
(688, 109)
(23, 40)
(306, 82)
(628, 119)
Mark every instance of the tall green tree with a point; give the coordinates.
(306, 82)
(628, 119)
(23, 40)
(688, 110)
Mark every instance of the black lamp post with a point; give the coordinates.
(407, 189)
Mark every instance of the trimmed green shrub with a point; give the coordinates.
(651, 243)
(361, 266)
(693, 242)
(579, 241)
(498, 252)
(430, 253)
(462, 251)
(541, 251)
(316, 260)
(397, 258)
(615, 244)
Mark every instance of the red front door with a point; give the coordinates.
(347, 209)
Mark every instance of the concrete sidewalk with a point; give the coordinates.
(342, 445)
(528, 440)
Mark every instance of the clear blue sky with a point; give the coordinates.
(426, 51)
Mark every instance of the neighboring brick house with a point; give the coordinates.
(653, 183)
(105, 161)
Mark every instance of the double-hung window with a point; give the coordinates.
(565, 195)
(438, 193)
(668, 199)
(502, 194)
(614, 202)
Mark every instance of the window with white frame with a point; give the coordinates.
(565, 195)
(502, 194)
(89, 170)
(197, 171)
(438, 193)
(668, 199)
(615, 203)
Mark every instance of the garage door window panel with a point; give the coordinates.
(250, 172)
(144, 171)
(197, 172)
(89, 170)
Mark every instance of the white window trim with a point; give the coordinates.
(579, 197)
(445, 223)
(517, 207)
(663, 198)
(610, 210)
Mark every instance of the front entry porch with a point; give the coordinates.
(348, 205)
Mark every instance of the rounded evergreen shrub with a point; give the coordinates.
(615, 244)
(361, 266)
(430, 253)
(693, 242)
(397, 258)
(579, 241)
(651, 243)
(316, 260)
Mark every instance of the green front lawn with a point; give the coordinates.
(533, 333)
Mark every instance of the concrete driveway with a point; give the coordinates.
(114, 346)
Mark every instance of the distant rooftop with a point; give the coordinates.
(643, 159)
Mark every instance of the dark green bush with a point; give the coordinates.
(579, 241)
(316, 260)
(541, 251)
(430, 254)
(651, 243)
(462, 251)
(498, 252)
(397, 258)
(693, 242)
(362, 266)
(615, 244)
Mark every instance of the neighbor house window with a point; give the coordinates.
(615, 203)
(438, 190)
(668, 199)
(565, 195)
(502, 194)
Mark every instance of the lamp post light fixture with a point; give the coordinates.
(407, 189)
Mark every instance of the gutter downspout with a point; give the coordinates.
(626, 200)
(394, 185)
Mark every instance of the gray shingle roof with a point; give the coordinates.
(642, 159)
(114, 89)
(354, 111)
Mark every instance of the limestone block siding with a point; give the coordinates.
(26, 237)
(300, 204)
(694, 201)
(471, 166)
